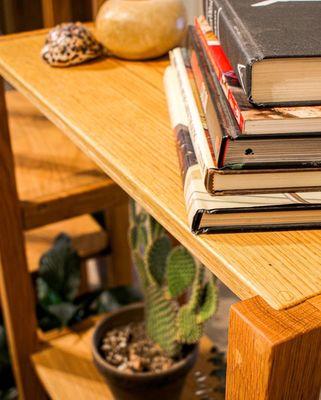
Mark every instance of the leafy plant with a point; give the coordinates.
(58, 283)
(58, 303)
(167, 273)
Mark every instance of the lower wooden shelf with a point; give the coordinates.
(66, 370)
(87, 237)
(55, 180)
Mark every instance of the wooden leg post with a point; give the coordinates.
(56, 11)
(117, 221)
(274, 355)
(15, 284)
(95, 5)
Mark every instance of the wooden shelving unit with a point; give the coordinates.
(116, 113)
(48, 187)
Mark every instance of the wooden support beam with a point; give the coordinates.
(56, 11)
(71, 203)
(9, 16)
(117, 221)
(15, 285)
(274, 355)
(95, 6)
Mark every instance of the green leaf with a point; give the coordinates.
(64, 312)
(142, 236)
(46, 296)
(181, 269)
(141, 269)
(141, 218)
(105, 303)
(157, 229)
(133, 237)
(60, 269)
(161, 320)
(132, 210)
(197, 286)
(189, 331)
(210, 302)
(156, 258)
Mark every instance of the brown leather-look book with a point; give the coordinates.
(274, 47)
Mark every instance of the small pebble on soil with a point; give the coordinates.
(130, 350)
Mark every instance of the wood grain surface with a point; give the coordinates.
(116, 113)
(14, 276)
(274, 355)
(55, 179)
(95, 6)
(56, 11)
(67, 372)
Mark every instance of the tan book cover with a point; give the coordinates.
(208, 213)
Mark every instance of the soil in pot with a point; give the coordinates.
(133, 366)
(129, 349)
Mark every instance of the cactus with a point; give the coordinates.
(169, 274)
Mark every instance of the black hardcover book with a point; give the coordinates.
(273, 45)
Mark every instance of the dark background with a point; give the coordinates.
(24, 15)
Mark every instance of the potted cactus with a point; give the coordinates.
(177, 304)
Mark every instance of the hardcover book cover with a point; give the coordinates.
(203, 209)
(220, 122)
(232, 149)
(251, 120)
(254, 30)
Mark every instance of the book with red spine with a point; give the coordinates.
(218, 141)
(253, 120)
(222, 67)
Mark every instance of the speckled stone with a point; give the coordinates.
(70, 44)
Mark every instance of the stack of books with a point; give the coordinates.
(244, 97)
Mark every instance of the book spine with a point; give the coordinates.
(226, 125)
(235, 40)
(184, 146)
(201, 141)
(221, 66)
(185, 150)
(209, 110)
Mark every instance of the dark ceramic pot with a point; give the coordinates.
(139, 386)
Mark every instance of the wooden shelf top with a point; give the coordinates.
(116, 113)
(66, 369)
